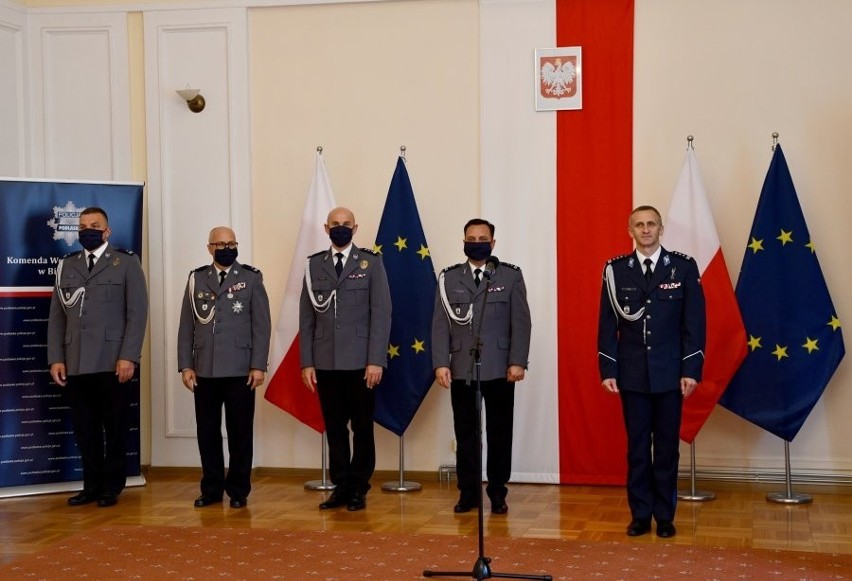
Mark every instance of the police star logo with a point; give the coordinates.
(66, 222)
(238, 307)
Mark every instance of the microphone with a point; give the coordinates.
(491, 264)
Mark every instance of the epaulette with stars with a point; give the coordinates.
(369, 251)
(321, 252)
(70, 254)
(681, 254)
(510, 265)
(449, 268)
(250, 267)
(619, 257)
(200, 268)
(125, 251)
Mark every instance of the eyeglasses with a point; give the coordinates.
(224, 245)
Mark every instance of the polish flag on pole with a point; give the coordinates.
(690, 229)
(286, 389)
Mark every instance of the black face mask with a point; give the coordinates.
(90, 239)
(225, 256)
(340, 236)
(477, 250)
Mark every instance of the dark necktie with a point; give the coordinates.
(222, 275)
(91, 261)
(339, 265)
(476, 277)
(648, 271)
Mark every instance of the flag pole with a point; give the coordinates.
(324, 483)
(693, 494)
(403, 485)
(788, 496)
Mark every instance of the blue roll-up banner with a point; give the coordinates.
(40, 222)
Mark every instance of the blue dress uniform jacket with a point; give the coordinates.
(506, 327)
(236, 337)
(107, 320)
(353, 330)
(652, 353)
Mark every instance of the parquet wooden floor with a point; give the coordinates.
(739, 517)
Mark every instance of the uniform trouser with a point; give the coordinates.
(345, 399)
(99, 408)
(652, 421)
(211, 394)
(499, 402)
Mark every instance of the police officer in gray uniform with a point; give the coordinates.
(651, 339)
(98, 315)
(344, 328)
(505, 343)
(223, 347)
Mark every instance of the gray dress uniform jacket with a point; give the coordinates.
(506, 326)
(107, 320)
(235, 338)
(354, 330)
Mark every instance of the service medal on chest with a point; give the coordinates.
(238, 307)
(230, 295)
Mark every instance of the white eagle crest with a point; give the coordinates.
(558, 77)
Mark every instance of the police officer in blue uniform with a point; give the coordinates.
(651, 339)
(344, 327)
(223, 348)
(504, 329)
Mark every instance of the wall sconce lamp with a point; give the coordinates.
(193, 99)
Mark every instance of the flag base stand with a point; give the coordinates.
(694, 495)
(325, 483)
(791, 498)
(788, 497)
(319, 485)
(402, 485)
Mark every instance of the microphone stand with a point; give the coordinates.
(482, 566)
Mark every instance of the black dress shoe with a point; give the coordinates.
(205, 500)
(82, 498)
(357, 502)
(336, 499)
(465, 505)
(638, 527)
(666, 529)
(499, 507)
(238, 502)
(108, 499)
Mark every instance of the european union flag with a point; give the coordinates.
(411, 278)
(794, 336)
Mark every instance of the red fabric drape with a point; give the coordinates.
(594, 198)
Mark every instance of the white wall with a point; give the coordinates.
(730, 73)
(13, 91)
(361, 80)
(441, 77)
(198, 172)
